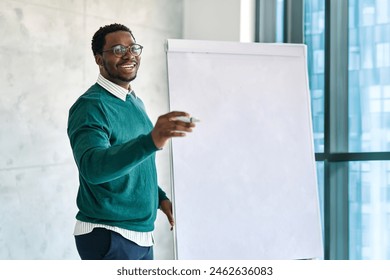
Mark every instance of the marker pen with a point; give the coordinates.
(187, 119)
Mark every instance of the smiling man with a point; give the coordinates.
(114, 145)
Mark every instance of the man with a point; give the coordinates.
(114, 145)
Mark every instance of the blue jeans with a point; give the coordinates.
(104, 244)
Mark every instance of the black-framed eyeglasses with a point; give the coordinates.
(120, 50)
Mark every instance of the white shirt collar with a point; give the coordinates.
(114, 89)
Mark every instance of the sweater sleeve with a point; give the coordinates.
(161, 195)
(98, 161)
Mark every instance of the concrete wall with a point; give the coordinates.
(212, 20)
(221, 20)
(46, 64)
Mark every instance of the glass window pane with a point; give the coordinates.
(369, 75)
(279, 20)
(369, 210)
(315, 41)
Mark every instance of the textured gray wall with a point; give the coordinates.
(46, 64)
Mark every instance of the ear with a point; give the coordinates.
(99, 60)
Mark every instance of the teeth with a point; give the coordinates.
(128, 66)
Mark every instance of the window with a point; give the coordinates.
(369, 115)
(314, 38)
(369, 210)
(348, 44)
(369, 72)
(279, 20)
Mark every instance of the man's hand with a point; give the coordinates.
(166, 207)
(167, 127)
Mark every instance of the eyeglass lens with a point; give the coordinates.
(121, 50)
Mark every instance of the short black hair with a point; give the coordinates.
(99, 38)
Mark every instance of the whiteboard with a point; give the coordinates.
(244, 182)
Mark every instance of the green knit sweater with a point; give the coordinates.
(115, 154)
